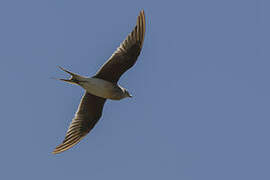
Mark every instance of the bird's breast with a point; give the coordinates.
(102, 88)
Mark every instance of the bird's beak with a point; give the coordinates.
(130, 96)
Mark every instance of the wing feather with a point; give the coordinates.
(126, 54)
(87, 115)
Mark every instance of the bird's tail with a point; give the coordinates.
(75, 78)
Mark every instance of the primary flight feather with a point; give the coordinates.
(103, 85)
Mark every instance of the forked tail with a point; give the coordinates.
(74, 79)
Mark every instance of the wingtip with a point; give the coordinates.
(141, 26)
(57, 151)
(67, 145)
(142, 13)
(54, 152)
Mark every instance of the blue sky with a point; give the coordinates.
(201, 90)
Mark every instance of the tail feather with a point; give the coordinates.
(75, 78)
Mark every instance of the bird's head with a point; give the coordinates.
(126, 93)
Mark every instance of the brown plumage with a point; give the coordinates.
(90, 108)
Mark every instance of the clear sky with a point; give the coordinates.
(201, 90)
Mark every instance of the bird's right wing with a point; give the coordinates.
(87, 115)
(126, 54)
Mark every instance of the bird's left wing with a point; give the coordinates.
(126, 54)
(87, 115)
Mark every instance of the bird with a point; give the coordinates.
(102, 86)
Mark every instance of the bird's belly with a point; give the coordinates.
(102, 88)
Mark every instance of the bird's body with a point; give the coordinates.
(103, 85)
(104, 89)
(98, 87)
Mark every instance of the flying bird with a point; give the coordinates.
(103, 85)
